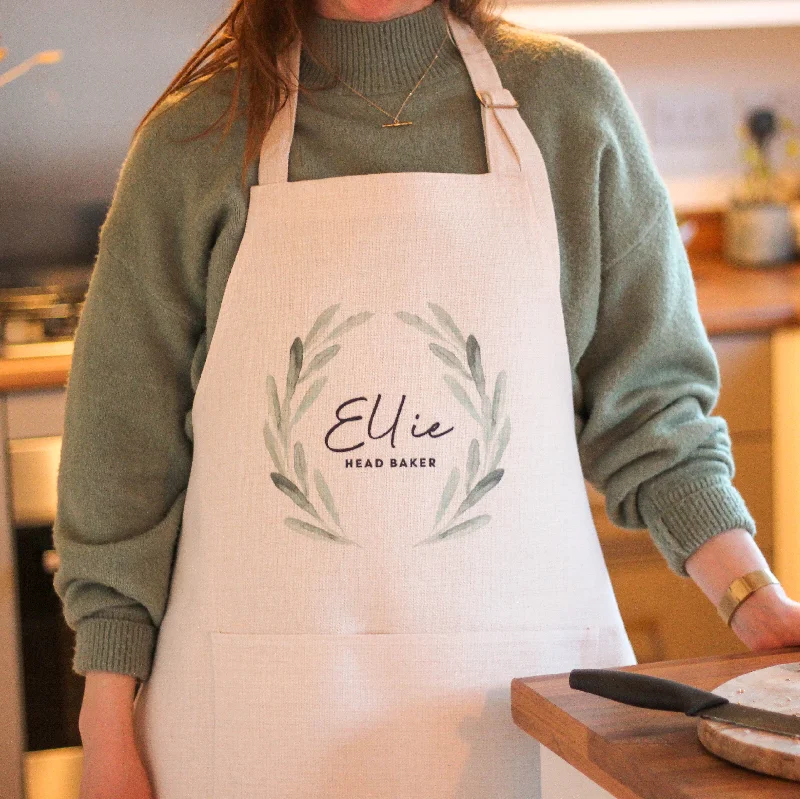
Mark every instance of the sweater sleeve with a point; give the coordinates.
(649, 377)
(126, 447)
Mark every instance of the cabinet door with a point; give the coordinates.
(745, 399)
(36, 413)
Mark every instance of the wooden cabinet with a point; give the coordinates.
(31, 424)
(667, 616)
(36, 413)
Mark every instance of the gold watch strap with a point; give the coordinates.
(740, 589)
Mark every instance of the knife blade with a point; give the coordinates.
(657, 693)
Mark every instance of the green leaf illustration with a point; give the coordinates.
(326, 496)
(448, 358)
(486, 411)
(308, 398)
(446, 321)
(319, 360)
(447, 494)
(467, 526)
(474, 363)
(349, 324)
(274, 403)
(272, 447)
(321, 322)
(499, 397)
(295, 365)
(418, 322)
(300, 468)
(461, 396)
(483, 486)
(502, 442)
(294, 493)
(299, 526)
(473, 462)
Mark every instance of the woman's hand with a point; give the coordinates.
(112, 765)
(113, 769)
(767, 619)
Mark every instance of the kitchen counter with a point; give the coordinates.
(636, 753)
(731, 300)
(738, 299)
(24, 374)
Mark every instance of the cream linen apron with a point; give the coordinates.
(386, 519)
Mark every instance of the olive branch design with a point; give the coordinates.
(481, 472)
(307, 357)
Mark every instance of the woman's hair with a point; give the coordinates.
(250, 41)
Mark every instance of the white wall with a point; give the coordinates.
(729, 71)
(65, 128)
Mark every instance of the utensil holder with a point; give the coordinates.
(758, 234)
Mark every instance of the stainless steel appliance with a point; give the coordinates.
(38, 320)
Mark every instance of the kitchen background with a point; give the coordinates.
(64, 128)
(693, 71)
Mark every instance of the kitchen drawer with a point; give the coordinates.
(745, 400)
(36, 413)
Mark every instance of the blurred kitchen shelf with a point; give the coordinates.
(652, 15)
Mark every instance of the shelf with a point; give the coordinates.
(653, 15)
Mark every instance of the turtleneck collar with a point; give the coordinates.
(384, 56)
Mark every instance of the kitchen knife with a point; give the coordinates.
(657, 693)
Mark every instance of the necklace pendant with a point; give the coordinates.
(395, 124)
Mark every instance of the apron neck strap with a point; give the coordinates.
(498, 110)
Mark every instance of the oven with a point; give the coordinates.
(52, 693)
(40, 696)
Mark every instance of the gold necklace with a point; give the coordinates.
(395, 123)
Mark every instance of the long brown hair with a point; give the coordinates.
(250, 41)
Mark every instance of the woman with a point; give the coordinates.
(331, 409)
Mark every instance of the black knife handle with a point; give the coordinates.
(642, 690)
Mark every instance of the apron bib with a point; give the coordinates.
(386, 519)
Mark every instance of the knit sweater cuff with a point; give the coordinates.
(117, 645)
(683, 517)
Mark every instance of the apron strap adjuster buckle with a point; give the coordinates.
(487, 100)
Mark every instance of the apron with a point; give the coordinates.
(386, 519)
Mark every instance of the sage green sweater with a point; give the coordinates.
(645, 379)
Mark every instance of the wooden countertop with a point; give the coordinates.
(736, 299)
(635, 753)
(731, 299)
(25, 374)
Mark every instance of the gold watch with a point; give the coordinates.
(740, 589)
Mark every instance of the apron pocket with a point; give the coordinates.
(374, 716)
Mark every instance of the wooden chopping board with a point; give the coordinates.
(772, 688)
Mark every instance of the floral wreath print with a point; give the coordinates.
(462, 357)
(309, 356)
(307, 359)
